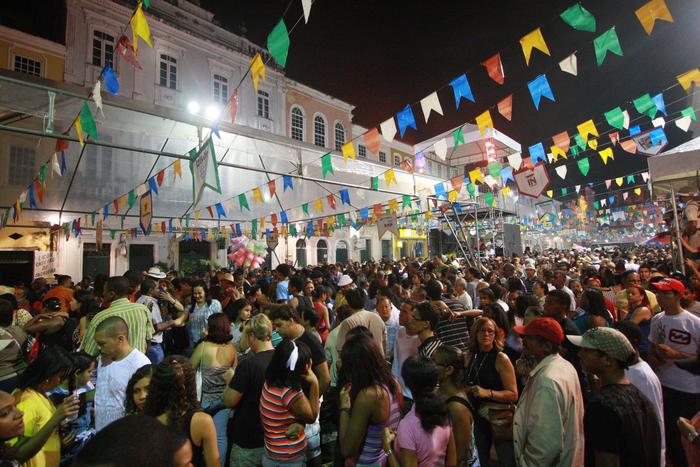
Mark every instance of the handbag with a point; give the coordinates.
(500, 418)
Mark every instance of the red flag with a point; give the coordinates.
(126, 50)
(211, 212)
(331, 201)
(273, 219)
(378, 210)
(162, 227)
(234, 106)
(494, 68)
(39, 191)
(272, 187)
(406, 164)
(116, 206)
(160, 177)
(505, 107)
(457, 183)
(62, 144)
(372, 140)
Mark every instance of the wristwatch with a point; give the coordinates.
(692, 436)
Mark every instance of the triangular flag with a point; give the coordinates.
(257, 195)
(687, 79)
(243, 202)
(393, 205)
(488, 197)
(110, 80)
(587, 128)
(177, 169)
(287, 182)
(650, 12)
(331, 201)
(645, 105)
(645, 176)
(515, 160)
(440, 148)
(461, 88)
(476, 176)
(97, 96)
(614, 138)
(593, 143)
(153, 185)
(160, 176)
(637, 191)
(608, 184)
(606, 154)
(139, 28)
(406, 201)
(457, 182)
(684, 123)
(507, 174)
(625, 119)
(126, 50)
(584, 166)
(569, 65)
(484, 121)
(318, 206)
(659, 122)
(630, 179)
(562, 140)
(619, 181)
(348, 150)
(615, 118)
(494, 68)
(389, 177)
(388, 128)
(234, 106)
(306, 6)
(659, 103)
(550, 193)
(557, 152)
(430, 103)
(257, 70)
(578, 188)
(372, 140)
(344, 196)
(78, 131)
(537, 153)
(657, 136)
(505, 107)
(87, 122)
(326, 165)
(374, 183)
(494, 169)
(278, 43)
(539, 87)
(458, 136)
(533, 40)
(607, 41)
(406, 119)
(579, 18)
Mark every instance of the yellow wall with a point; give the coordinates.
(52, 62)
(31, 238)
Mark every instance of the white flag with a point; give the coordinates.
(626, 120)
(388, 129)
(306, 5)
(429, 103)
(97, 96)
(684, 123)
(515, 160)
(561, 171)
(659, 122)
(578, 188)
(569, 65)
(440, 147)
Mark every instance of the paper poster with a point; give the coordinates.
(532, 182)
(146, 214)
(387, 223)
(204, 170)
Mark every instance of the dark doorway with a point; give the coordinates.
(95, 261)
(140, 256)
(16, 266)
(192, 255)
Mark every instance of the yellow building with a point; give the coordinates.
(31, 55)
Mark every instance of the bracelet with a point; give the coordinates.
(389, 452)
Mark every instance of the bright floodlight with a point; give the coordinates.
(193, 107)
(212, 112)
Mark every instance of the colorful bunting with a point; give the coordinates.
(615, 118)
(585, 129)
(515, 160)
(505, 107)
(645, 105)
(484, 121)
(326, 165)
(607, 41)
(461, 88)
(606, 154)
(569, 65)
(389, 177)
(348, 150)
(306, 6)
(659, 103)
(539, 87)
(584, 166)
(458, 136)
(440, 148)
(257, 195)
(405, 119)
(278, 43)
(110, 80)
(533, 40)
(650, 12)
(287, 182)
(243, 202)
(476, 176)
(430, 103)
(139, 28)
(494, 68)
(372, 140)
(257, 70)
(629, 146)
(388, 128)
(537, 153)
(579, 18)
(126, 50)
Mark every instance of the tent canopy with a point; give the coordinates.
(676, 168)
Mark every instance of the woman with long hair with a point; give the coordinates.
(595, 312)
(492, 387)
(324, 324)
(640, 314)
(216, 359)
(137, 390)
(424, 436)
(283, 403)
(370, 400)
(238, 313)
(203, 306)
(172, 399)
(42, 376)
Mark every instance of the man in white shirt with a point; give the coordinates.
(118, 362)
(461, 294)
(559, 283)
(149, 291)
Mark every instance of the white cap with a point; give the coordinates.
(344, 280)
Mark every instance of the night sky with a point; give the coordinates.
(381, 55)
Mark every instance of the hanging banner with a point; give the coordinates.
(146, 214)
(386, 224)
(98, 234)
(204, 170)
(532, 182)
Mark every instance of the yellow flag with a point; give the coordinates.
(476, 176)
(428, 214)
(533, 40)
(637, 191)
(197, 215)
(557, 152)
(177, 169)
(79, 131)
(139, 28)
(649, 13)
(593, 143)
(619, 181)
(587, 128)
(122, 201)
(606, 154)
(318, 205)
(262, 222)
(257, 195)
(389, 176)
(393, 205)
(550, 193)
(452, 196)
(483, 121)
(505, 190)
(348, 151)
(257, 70)
(688, 78)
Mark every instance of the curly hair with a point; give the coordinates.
(173, 390)
(145, 371)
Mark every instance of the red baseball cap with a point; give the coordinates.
(668, 284)
(547, 328)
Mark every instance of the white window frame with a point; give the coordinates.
(325, 130)
(21, 57)
(361, 151)
(220, 85)
(264, 97)
(396, 159)
(103, 47)
(303, 122)
(382, 157)
(26, 152)
(429, 165)
(337, 127)
(163, 58)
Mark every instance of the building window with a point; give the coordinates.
(168, 71)
(21, 170)
(263, 104)
(102, 49)
(319, 131)
(301, 253)
(27, 65)
(397, 160)
(220, 89)
(297, 124)
(439, 170)
(339, 136)
(321, 252)
(382, 157)
(430, 166)
(341, 252)
(362, 151)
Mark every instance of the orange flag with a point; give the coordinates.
(372, 140)
(562, 140)
(494, 68)
(649, 13)
(505, 107)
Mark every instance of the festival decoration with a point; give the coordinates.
(533, 40)
(569, 65)
(505, 107)
(406, 119)
(257, 70)
(579, 18)
(461, 88)
(539, 87)
(430, 103)
(278, 43)
(607, 41)
(650, 12)
(494, 68)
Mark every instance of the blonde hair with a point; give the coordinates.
(473, 345)
(261, 327)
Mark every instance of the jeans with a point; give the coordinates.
(268, 462)
(220, 422)
(246, 457)
(677, 404)
(155, 353)
(482, 435)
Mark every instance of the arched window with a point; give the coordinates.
(297, 132)
(339, 136)
(341, 252)
(321, 252)
(301, 253)
(319, 131)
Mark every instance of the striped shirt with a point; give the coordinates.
(137, 318)
(372, 453)
(197, 322)
(428, 346)
(454, 332)
(276, 417)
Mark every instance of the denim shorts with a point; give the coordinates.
(313, 440)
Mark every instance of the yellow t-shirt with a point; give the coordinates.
(38, 409)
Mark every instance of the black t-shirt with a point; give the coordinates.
(620, 420)
(249, 378)
(312, 341)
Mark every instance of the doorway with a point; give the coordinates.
(140, 256)
(16, 266)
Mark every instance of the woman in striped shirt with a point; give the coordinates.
(283, 403)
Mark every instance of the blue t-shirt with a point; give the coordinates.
(282, 290)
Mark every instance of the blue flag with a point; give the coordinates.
(461, 88)
(110, 80)
(220, 212)
(406, 120)
(539, 88)
(344, 196)
(537, 153)
(287, 182)
(153, 185)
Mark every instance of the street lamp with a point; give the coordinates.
(193, 107)
(212, 112)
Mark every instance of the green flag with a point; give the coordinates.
(596, 204)
(305, 208)
(87, 122)
(254, 229)
(326, 165)
(112, 233)
(645, 105)
(580, 142)
(458, 136)
(42, 173)
(488, 197)
(243, 201)
(579, 18)
(131, 199)
(630, 179)
(495, 169)
(187, 220)
(374, 183)
(564, 191)
(584, 166)
(406, 201)
(471, 190)
(341, 219)
(607, 41)
(278, 43)
(615, 118)
(293, 230)
(92, 218)
(689, 112)
(6, 217)
(574, 151)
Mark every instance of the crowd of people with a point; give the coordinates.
(557, 358)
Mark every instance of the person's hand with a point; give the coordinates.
(668, 352)
(68, 439)
(294, 430)
(478, 392)
(310, 376)
(68, 408)
(685, 427)
(345, 402)
(179, 322)
(388, 436)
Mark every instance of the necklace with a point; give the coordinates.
(472, 364)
